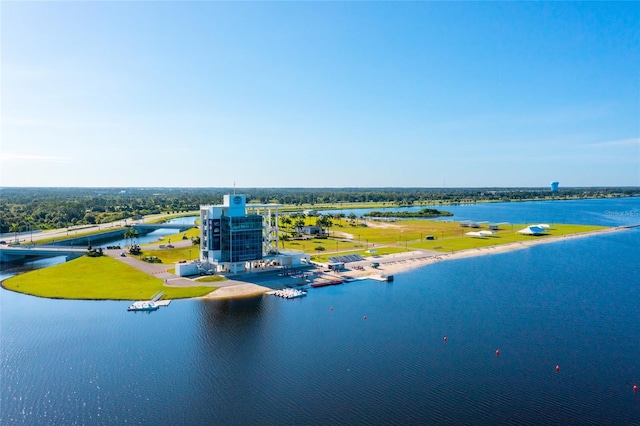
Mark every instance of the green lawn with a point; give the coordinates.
(407, 235)
(173, 255)
(99, 278)
(179, 236)
(211, 279)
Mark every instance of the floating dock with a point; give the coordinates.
(149, 305)
(383, 278)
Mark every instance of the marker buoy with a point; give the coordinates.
(557, 368)
(497, 352)
(635, 388)
(445, 338)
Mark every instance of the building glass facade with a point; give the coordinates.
(241, 238)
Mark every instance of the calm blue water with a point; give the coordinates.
(273, 361)
(153, 236)
(611, 212)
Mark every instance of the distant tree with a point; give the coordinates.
(285, 221)
(15, 228)
(300, 222)
(131, 233)
(323, 222)
(90, 218)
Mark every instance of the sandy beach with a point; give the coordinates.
(237, 291)
(400, 262)
(389, 265)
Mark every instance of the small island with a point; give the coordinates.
(420, 213)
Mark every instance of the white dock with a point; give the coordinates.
(157, 303)
(383, 278)
(155, 300)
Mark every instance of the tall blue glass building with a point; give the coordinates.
(237, 236)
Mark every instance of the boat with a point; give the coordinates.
(289, 293)
(326, 283)
(298, 294)
(143, 306)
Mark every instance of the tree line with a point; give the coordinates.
(22, 209)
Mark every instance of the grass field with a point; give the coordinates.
(97, 278)
(173, 255)
(406, 235)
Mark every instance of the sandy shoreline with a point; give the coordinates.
(237, 291)
(400, 262)
(402, 265)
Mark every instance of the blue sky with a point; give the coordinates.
(320, 94)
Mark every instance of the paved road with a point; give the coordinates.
(158, 270)
(74, 230)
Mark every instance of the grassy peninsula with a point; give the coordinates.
(97, 278)
(105, 278)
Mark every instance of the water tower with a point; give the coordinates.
(554, 186)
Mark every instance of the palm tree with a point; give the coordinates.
(323, 222)
(15, 228)
(285, 221)
(131, 233)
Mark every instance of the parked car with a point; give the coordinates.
(122, 254)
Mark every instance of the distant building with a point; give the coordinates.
(554, 186)
(312, 230)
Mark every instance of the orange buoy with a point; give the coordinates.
(497, 352)
(557, 368)
(445, 338)
(635, 388)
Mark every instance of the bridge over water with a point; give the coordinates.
(14, 253)
(153, 226)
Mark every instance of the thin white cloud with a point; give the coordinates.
(620, 142)
(15, 157)
(176, 150)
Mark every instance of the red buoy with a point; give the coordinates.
(445, 338)
(497, 352)
(557, 368)
(635, 388)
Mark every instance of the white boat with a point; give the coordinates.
(289, 293)
(143, 306)
(298, 294)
